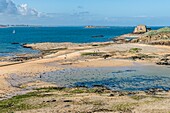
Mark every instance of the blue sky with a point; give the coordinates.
(85, 12)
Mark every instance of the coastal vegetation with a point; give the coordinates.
(93, 54)
(97, 99)
(142, 35)
(159, 31)
(18, 103)
(135, 50)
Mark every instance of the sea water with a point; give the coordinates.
(24, 35)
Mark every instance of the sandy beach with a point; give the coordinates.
(91, 56)
(74, 56)
(83, 56)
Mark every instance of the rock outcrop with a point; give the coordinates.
(141, 29)
(165, 60)
(138, 32)
(155, 37)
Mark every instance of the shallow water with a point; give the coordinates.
(134, 78)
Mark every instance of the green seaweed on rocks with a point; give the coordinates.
(135, 50)
(93, 54)
(18, 103)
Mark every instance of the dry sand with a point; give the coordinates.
(104, 63)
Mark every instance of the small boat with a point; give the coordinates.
(13, 32)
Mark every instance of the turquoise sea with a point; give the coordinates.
(24, 35)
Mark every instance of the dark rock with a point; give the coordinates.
(106, 56)
(26, 46)
(153, 91)
(53, 100)
(98, 36)
(67, 101)
(50, 100)
(131, 93)
(163, 63)
(67, 106)
(14, 43)
(121, 94)
(22, 58)
(99, 90)
(135, 57)
(112, 95)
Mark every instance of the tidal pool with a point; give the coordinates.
(133, 78)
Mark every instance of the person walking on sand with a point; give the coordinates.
(65, 57)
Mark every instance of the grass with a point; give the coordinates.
(68, 90)
(146, 56)
(95, 103)
(93, 54)
(124, 107)
(58, 49)
(77, 91)
(135, 50)
(18, 103)
(51, 89)
(51, 51)
(159, 31)
(138, 97)
(84, 90)
(40, 97)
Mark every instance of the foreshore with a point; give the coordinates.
(25, 75)
(107, 54)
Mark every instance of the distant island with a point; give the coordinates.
(3, 26)
(21, 25)
(92, 27)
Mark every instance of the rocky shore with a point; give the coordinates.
(25, 72)
(151, 37)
